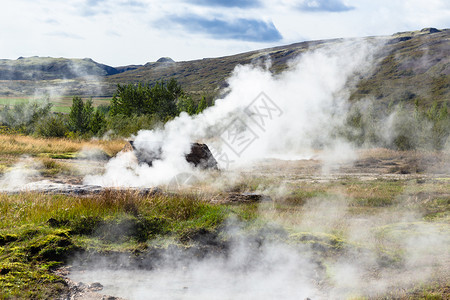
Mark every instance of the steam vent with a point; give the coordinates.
(200, 155)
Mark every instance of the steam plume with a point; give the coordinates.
(262, 115)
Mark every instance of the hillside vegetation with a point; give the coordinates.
(411, 66)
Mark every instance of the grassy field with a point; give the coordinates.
(50, 152)
(334, 218)
(60, 104)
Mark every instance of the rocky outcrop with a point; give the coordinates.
(200, 156)
(239, 198)
(51, 187)
(165, 60)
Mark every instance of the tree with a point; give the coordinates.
(186, 104)
(202, 105)
(165, 97)
(80, 115)
(98, 122)
(160, 99)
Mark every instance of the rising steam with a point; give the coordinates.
(23, 172)
(389, 252)
(262, 115)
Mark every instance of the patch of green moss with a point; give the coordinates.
(115, 229)
(27, 259)
(374, 201)
(68, 155)
(320, 242)
(50, 248)
(7, 238)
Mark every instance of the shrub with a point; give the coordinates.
(24, 117)
(125, 126)
(52, 126)
(397, 127)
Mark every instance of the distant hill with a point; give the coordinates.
(48, 68)
(208, 75)
(411, 66)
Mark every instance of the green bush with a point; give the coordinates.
(52, 126)
(124, 126)
(24, 117)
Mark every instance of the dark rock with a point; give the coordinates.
(95, 286)
(237, 198)
(165, 60)
(399, 39)
(430, 30)
(200, 155)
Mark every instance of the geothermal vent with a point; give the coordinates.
(200, 156)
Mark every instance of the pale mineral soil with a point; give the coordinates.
(364, 165)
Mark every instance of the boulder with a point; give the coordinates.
(165, 60)
(200, 156)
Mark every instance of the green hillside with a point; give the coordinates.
(411, 66)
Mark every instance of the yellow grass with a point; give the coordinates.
(18, 145)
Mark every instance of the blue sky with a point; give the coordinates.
(122, 32)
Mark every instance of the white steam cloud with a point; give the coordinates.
(263, 115)
(23, 172)
(377, 256)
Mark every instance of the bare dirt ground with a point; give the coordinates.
(369, 165)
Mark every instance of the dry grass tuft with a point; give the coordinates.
(19, 145)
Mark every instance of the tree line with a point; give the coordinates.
(133, 107)
(146, 106)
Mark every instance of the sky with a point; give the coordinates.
(125, 32)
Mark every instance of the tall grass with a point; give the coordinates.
(19, 145)
(32, 208)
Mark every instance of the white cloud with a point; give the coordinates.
(120, 32)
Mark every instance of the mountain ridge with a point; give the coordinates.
(411, 66)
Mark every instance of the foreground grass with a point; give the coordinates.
(73, 212)
(39, 232)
